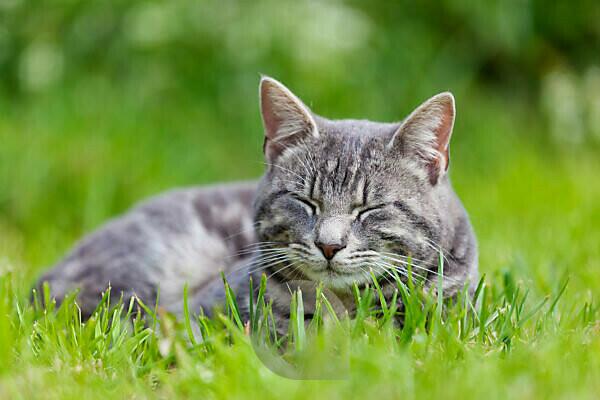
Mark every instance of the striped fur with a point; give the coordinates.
(379, 192)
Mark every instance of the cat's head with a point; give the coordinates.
(343, 197)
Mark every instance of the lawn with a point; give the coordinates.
(105, 103)
(67, 163)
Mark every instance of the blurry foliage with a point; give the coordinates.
(379, 50)
(104, 102)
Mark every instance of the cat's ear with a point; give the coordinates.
(426, 133)
(286, 119)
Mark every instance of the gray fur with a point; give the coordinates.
(182, 236)
(377, 191)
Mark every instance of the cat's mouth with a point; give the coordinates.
(335, 275)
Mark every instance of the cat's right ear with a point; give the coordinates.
(426, 133)
(285, 118)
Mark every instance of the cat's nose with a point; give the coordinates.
(329, 249)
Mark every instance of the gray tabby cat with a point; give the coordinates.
(339, 198)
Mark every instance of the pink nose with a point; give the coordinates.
(329, 249)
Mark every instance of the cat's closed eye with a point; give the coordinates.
(364, 212)
(311, 206)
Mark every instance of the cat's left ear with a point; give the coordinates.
(426, 133)
(286, 119)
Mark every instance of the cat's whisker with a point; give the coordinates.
(439, 249)
(265, 267)
(407, 263)
(402, 272)
(295, 183)
(270, 263)
(256, 251)
(265, 254)
(312, 168)
(302, 179)
(446, 277)
(255, 247)
(251, 228)
(407, 258)
(258, 261)
(263, 243)
(265, 249)
(299, 159)
(263, 261)
(310, 160)
(388, 267)
(404, 264)
(363, 268)
(365, 273)
(290, 265)
(385, 272)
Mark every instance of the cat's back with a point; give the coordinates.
(183, 235)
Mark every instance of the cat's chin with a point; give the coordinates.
(332, 279)
(333, 275)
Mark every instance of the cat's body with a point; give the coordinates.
(339, 199)
(183, 236)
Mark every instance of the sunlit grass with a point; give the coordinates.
(65, 167)
(119, 352)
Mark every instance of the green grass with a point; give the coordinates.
(66, 165)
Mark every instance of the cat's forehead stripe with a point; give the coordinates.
(339, 174)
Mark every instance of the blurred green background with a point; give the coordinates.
(105, 102)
